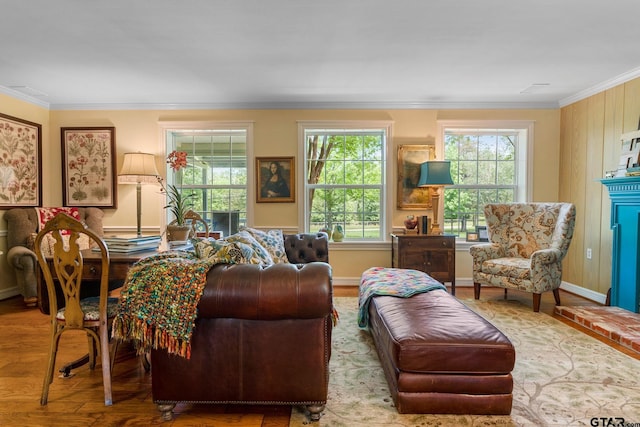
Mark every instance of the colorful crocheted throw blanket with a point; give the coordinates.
(159, 300)
(396, 282)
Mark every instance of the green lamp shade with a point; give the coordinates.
(435, 172)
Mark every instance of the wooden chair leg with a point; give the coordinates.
(536, 302)
(48, 376)
(556, 295)
(92, 351)
(476, 290)
(106, 365)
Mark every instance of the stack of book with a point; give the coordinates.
(129, 244)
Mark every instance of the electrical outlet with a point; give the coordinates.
(588, 253)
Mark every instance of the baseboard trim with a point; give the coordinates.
(584, 292)
(9, 292)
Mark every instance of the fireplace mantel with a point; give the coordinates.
(624, 193)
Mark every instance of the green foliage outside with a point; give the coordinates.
(346, 180)
(483, 170)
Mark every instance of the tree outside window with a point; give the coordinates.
(488, 165)
(344, 181)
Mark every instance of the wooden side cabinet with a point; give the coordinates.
(433, 254)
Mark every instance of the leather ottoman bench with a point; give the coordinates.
(440, 357)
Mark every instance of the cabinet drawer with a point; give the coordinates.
(430, 243)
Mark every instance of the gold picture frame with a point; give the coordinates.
(89, 167)
(410, 158)
(20, 163)
(275, 180)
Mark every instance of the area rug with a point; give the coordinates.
(562, 377)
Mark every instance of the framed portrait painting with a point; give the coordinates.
(410, 158)
(275, 178)
(88, 166)
(20, 163)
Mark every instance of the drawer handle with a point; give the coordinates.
(444, 243)
(93, 270)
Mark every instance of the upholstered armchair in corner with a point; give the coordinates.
(22, 226)
(527, 244)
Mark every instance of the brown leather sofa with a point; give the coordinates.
(21, 224)
(262, 336)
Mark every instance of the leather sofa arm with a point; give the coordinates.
(302, 248)
(280, 291)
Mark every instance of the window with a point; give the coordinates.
(488, 165)
(345, 179)
(216, 173)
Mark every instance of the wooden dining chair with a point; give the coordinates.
(93, 315)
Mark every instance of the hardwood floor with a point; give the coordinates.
(78, 401)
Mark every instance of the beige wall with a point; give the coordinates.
(275, 134)
(590, 145)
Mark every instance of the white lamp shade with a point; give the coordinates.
(138, 168)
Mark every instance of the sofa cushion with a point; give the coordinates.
(259, 255)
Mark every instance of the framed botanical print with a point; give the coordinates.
(88, 166)
(20, 163)
(410, 158)
(275, 178)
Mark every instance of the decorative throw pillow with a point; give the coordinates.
(272, 241)
(219, 251)
(260, 254)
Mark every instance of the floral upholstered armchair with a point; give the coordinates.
(527, 244)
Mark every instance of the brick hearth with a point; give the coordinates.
(619, 325)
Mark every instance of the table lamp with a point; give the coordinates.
(138, 168)
(434, 174)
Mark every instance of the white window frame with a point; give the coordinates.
(386, 203)
(524, 159)
(247, 126)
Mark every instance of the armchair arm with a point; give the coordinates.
(24, 262)
(21, 258)
(545, 256)
(485, 251)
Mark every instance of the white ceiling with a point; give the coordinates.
(321, 54)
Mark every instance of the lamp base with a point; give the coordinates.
(435, 206)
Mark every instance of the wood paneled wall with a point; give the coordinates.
(590, 145)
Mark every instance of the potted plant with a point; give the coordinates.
(178, 203)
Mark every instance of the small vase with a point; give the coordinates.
(178, 233)
(411, 222)
(338, 233)
(326, 230)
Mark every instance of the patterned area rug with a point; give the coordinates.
(562, 377)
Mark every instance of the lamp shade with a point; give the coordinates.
(435, 172)
(138, 168)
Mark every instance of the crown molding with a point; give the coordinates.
(601, 87)
(23, 97)
(315, 106)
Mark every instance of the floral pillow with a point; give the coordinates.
(272, 241)
(260, 254)
(220, 251)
